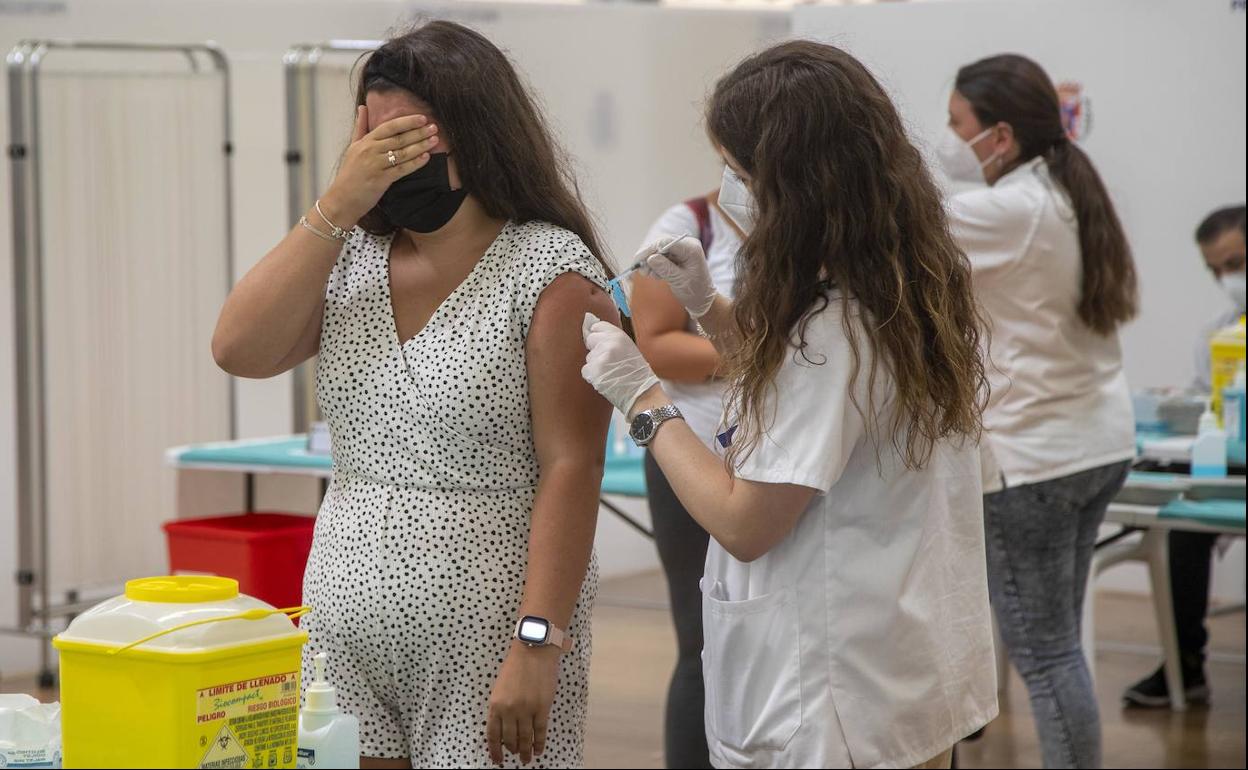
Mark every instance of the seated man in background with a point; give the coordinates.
(1221, 240)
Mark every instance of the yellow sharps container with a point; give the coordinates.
(181, 672)
(1226, 354)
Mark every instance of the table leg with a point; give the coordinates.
(1114, 549)
(629, 520)
(1156, 543)
(1087, 624)
(249, 492)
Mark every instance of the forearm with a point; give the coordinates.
(680, 356)
(719, 503)
(720, 325)
(565, 516)
(269, 310)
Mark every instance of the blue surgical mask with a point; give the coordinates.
(736, 201)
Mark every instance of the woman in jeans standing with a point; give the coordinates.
(688, 364)
(1054, 273)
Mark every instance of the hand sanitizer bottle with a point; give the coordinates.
(1233, 408)
(1209, 449)
(328, 738)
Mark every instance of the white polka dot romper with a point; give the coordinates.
(421, 543)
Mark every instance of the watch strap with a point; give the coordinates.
(555, 636)
(658, 416)
(664, 413)
(559, 639)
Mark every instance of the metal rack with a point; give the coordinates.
(302, 69)
(24, 62)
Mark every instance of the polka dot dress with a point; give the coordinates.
(421, 543)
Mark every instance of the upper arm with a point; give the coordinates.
(776, 507)
(993, 227)
(308, 344)
(656, 310)
(569, 417)
(675, 220)
(815, 409)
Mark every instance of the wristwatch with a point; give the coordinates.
(539, 632)
(646, 424)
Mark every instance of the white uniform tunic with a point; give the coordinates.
(1060, 402)
(863, 639)
(701, 403)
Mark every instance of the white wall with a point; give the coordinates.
(1166, 79)
(622, 85)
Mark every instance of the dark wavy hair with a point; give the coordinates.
(1013, 89)
(844, 200)
(504, 150)
(1220, 221)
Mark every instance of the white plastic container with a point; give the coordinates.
(30, 732)
(327, 737)
(1209, 449)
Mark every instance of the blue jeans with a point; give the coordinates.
(1039, 541)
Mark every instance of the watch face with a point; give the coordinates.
(643, 426)
(533, 630)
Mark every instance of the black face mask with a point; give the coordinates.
(423, 201)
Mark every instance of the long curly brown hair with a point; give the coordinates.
(507, 156)
(846, 212)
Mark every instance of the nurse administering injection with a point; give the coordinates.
(849, 463)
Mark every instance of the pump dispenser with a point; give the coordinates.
(1209, 449)
(327, 737)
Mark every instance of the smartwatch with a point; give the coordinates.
(539, 632)
(646, 424)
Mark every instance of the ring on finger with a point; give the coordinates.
(392, 158)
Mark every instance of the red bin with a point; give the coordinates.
(265, 552)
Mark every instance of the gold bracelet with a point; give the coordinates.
(311, 228)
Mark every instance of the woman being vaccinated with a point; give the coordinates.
(441, 281)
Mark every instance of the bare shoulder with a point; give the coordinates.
(563, 305)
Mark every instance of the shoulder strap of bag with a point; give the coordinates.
(702, 212)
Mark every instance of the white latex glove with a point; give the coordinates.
(681, 264)
(614, 365)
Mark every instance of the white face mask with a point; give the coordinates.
(736, 201)
(1233, 285)
(958, 158)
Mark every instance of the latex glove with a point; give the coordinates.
(614, 365)
(681, 264)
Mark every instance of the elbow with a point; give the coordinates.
(230, 358)
(223, 353)
(744, 547)
(663, 366)
(649, 351)
(746, 553)
(663, 371)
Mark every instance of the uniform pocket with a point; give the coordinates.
(752, 670)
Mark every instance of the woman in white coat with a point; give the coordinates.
(845, 601)
(1054, 274)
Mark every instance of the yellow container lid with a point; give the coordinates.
(180, 612)
(182, 589)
